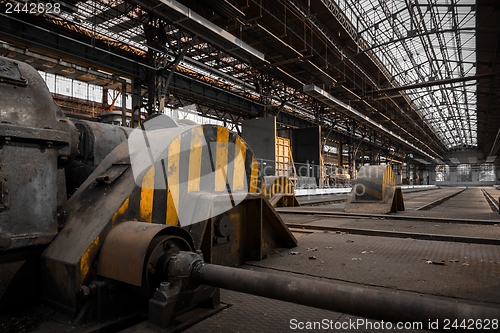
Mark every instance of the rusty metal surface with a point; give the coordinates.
(35, 139)
(142, 195)
(87, 218)
(254, 231)
(375, 191)
(124, 251)
(97, 140)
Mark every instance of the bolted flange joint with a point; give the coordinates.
(180, 268)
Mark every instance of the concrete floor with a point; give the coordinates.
(396, 265)
(470, 273)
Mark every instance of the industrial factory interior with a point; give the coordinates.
(249, 166)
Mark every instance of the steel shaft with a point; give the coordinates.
(364, 302)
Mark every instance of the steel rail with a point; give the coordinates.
(386, 216)
(395, 234)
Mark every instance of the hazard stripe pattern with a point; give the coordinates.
(202, 158)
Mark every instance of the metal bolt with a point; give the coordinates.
(84, 292)
(168, 245)
(164, 286)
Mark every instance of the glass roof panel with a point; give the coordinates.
(422, 41)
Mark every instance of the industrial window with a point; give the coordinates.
(118, 102)
(442, 173)
(74, 88)
(80, 89)
(95, 93)
(487, 172)
(464, 173)
(50, 80)
(63, 86)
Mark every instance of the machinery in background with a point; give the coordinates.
(375, 192)
(279, 191)
(96, 141)
(337, 179)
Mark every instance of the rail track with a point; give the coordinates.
(430, 224)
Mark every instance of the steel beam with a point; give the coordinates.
(328, 99)
(42, 36)
(436, 82)
(183, 17)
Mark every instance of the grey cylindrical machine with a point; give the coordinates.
(36, 141)
(97, 140)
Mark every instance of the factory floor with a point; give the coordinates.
(444, 246)
(463, 269)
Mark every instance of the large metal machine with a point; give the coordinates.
(375, 192)
(158, 219)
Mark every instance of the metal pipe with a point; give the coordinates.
(363, 302)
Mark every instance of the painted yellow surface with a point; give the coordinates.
(147, 193)
(86, 259)
(221, 152)
(239, 175)
(195, 156)
(171, 211)
(173, 165)
(254, 181)
(123, 208)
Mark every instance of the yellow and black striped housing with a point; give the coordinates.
(190, 159)
(375, 192)
(279, 190)
(372, 182)
(276, 185)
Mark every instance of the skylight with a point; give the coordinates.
(424, 41)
